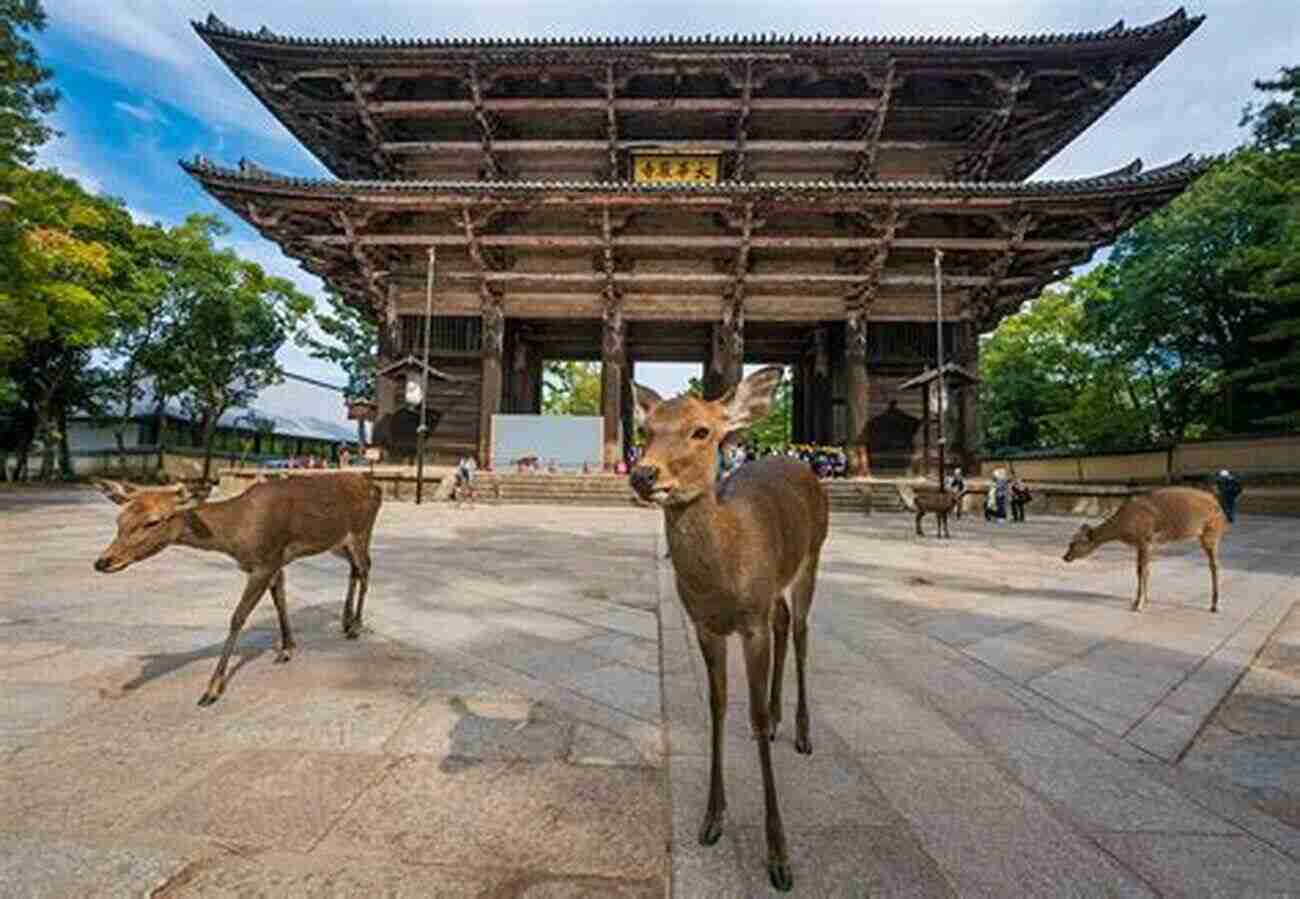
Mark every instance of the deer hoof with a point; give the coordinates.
(283, 656)
(780, 876)
(208, 698)
(352, 631)
(711, 829)
(803, 745)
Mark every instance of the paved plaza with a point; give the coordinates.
(526, 717)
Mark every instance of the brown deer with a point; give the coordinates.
(941, 503)
(736, 549)
(1162, 516)
(263, 529)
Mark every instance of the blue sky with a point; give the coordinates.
(141, 91)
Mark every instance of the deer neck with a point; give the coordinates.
(1108, 530)
(203, 527)
(693, 537)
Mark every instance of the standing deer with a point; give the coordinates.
(263, 529)
(940, 503)
(736, 549)
(1162, 516)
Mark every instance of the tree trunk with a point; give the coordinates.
(128, 399)
(209, 434)
(65, 451)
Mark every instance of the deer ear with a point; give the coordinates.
(196, 525)
(115, 490)
(645, 402)
(183, 494)
(751, 399)
(1087, 532)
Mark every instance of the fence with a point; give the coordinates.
(1261, 459)
(143, 462)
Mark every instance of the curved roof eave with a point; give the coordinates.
(1177, 23)
(1120, 181)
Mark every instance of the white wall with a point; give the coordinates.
(84, 436)
(569, 440)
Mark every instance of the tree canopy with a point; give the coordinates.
(25, 95)
(571, 388)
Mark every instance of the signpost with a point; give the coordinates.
(659, 167)
(943, 396)
(423, 429)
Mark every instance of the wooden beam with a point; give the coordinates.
(677, 146)
(429, 108)
(484, 124)
(595, 281)
(989, 135)
(353, 84)
(741, 172)
(371, 276)
(984, 299)
(866, 170)
(611, 122)
(699, 242)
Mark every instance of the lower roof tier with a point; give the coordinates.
(785, 251)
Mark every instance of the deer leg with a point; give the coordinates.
(781, 632)
(287, 646)
(1211, 548)
(1143, 559)
(802, 595)
(360, 571)
(344, 552)
(714, 648)
(253, 590)
(919, 532)
(758, 658)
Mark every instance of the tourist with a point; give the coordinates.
(1228, 488)
(1020, 497)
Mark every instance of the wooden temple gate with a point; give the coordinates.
(706, 200)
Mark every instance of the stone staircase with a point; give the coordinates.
(613, 490)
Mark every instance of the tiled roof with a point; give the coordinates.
(1129, 177)
(1177, 23)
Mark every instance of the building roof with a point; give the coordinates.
(987, 107)
(1129, 178)
(1177, 23)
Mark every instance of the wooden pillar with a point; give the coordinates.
(626, 407)
(821, 392)
(723, 370)
(494, 321)
(969, 359)
(613, 356)
(858, 395)
(799, 378)
(533, 404)
(925, 430)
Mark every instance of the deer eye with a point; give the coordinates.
(153, 522)
(699, 433)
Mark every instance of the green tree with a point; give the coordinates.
(1276, 124)
(1183, 313)
(24, 93)
(58, 286)
(231, 319)
(571, 388)
(351, 342)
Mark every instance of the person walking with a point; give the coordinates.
(1020, 497)
(1228, 489)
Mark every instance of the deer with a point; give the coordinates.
(1166, 515)
(940, 503)
(262, 529)
(737, 548)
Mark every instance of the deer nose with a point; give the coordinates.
(643, 477)
(102, 563)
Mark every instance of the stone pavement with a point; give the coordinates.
(987, 720)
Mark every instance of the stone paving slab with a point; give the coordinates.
(526, 716)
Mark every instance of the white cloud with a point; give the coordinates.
(145, 112)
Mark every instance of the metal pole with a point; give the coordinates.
(423, 429)
(938, 310)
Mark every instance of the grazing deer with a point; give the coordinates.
(263, 529)
(1162, 516)
(736, 548)
(940, 503)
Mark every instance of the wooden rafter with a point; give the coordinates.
(985, 298)
(611, 121)
(866, 167)
(711, 242)
(359, 90)
(491, 300)
(992, 130)
(372, 277)
(483, 119)
(741, 172)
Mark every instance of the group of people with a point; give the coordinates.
(1003, 493)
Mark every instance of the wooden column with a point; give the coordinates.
(612, 365)
(969, 359)
(858, 395)
(799, 378)
(533, 406)
(925, 430)
(821, 412)
(494, 321)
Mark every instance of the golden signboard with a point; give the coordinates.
(671, 168)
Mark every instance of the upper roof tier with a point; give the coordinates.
(796, 108)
